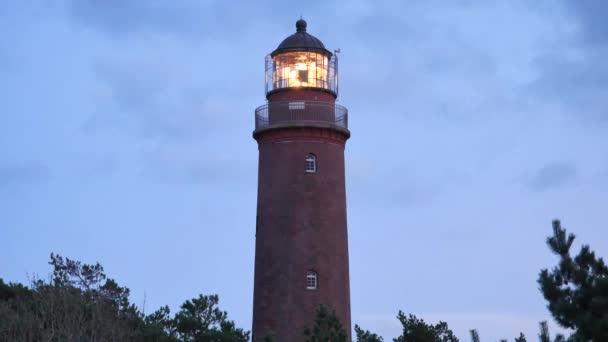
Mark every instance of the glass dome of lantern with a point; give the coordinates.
(301, 61)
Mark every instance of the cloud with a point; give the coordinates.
(155, 97)
(572, 68)
(198, 163)
(187, 18)
(25, 173)
(553, 175)
(128, 16)
(592, 18)
(422, 60)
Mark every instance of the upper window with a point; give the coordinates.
(297, 105)
(311, 280)
(301, 69)
(311, 163)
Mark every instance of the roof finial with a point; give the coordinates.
(301, 25)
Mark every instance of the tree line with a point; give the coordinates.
(80, 303)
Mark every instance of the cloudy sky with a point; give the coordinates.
(125, 138)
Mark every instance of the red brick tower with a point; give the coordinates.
(301, 255)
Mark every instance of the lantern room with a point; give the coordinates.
(301, 61)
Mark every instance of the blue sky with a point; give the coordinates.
(125, 138)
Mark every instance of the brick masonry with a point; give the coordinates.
(300, 226)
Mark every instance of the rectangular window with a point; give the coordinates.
(310, 166)
(311, 280)
(296, 105)
(311, 163)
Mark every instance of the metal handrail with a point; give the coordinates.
(300, 112)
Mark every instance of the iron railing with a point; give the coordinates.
(300, 112)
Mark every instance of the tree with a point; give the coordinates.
(416, 330)
(366, 336)
(326, 327)
(544, 335)
(200, 320)
(158, 326)
(269, 337)
(79, 303)
(544, 332)
(577, 289)
(474, 335)
(521, 338)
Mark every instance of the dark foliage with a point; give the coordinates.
(326, 327)
(269, 337)
(577, 289)
(201, 320)
(474, 335)
(417, 330)
(79, 303)
(366, 336)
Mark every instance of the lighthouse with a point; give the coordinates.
(301, 245)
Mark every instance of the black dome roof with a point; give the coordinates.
(301, 40)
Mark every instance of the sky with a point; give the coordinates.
(125, 139)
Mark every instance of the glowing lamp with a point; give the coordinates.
(301, 60)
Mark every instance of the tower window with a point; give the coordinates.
(297, 105)
(311, 163)
(311, 280)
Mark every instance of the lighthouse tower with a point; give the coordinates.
(301, 255)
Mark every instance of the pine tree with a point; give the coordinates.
(521, 338)
(326, 327)
(577, 289)
(366, 336)
(474, 335)
(417, 330)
